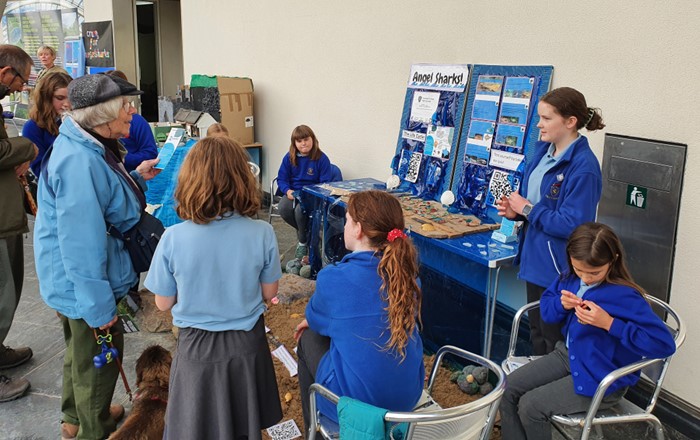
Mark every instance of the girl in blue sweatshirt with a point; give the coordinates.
(305, 164)
(360, 337)
(560, 190)
(50, 101)
(607, 324)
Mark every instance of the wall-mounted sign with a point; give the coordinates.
(636, 196)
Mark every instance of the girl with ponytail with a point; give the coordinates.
(360, 336)
(560, 191)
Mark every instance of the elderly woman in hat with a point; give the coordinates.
(83, 272)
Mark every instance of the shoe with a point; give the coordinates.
(13, 357)
(301, 251)
(69, 431)
(11, 389)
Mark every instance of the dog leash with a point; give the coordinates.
(108, 355)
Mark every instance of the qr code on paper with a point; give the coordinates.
(501, 185)
(414, 167)
(284, 431)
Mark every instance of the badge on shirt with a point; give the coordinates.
(310, 171)
(554, 191)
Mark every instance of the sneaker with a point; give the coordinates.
(12, 357)
(69, 431)
(301, 251)
(11, 389)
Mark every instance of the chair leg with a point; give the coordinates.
(658, 428)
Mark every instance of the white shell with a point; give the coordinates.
(393, 182)
(447, 198)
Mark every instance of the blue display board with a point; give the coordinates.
(430, 129)
(498, 133)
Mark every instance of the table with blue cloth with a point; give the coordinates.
(473, 261)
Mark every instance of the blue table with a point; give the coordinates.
(473, 260)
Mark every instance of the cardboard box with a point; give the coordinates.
(236, 100)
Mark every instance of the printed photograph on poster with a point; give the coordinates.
(516, 100)
(510, 135)
(438, 141)
(505, 159)
(413, 170)
(424, 106)
(487, 97)
(479, 141)
(501, 185)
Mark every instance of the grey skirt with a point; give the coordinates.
(222, 385)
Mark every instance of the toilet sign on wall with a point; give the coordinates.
(636, 196)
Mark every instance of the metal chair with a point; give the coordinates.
(473, 420)
(275, 195)
(653, 370)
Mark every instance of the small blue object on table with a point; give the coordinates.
(473, 260)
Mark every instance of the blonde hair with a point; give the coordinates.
(98, 114)
(215, 179)
(302, 132)
(46, 48)
(217, 129)
(378, 214)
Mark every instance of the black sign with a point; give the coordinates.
(99, 44)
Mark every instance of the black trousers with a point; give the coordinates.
(310, 350)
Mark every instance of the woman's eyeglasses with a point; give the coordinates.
(128, 105)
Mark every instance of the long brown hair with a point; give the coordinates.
(597, 244)
(42, 112)
(302, 132)
(379, 213)
(570, 102)
(215, 179)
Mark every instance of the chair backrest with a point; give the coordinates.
(336, 174)
(470, 421)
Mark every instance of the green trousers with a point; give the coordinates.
(88, 390)
(11, 278)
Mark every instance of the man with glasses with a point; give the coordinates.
(15, 154)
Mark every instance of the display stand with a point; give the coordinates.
(431, 120)
(493, 165)
(500, 98)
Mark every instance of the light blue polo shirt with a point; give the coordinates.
(583, 288)
(546, 163)
(216, 270)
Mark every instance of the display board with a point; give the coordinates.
(498, 134)
(430, 128)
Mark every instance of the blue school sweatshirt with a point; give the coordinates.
(140, 145)
(570, 192)
(349, 307)
(306, 172)
(636, 332)
(40, 137)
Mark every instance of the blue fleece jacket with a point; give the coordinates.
(82, 271)
(141, 145)
(40, 137)
(636, 332)
(570, 193)
(348, 307)
(307, 172)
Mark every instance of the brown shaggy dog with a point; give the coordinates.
(147, 418)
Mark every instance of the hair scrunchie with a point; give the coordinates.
(394, 234)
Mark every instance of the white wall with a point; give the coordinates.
(342, 67)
